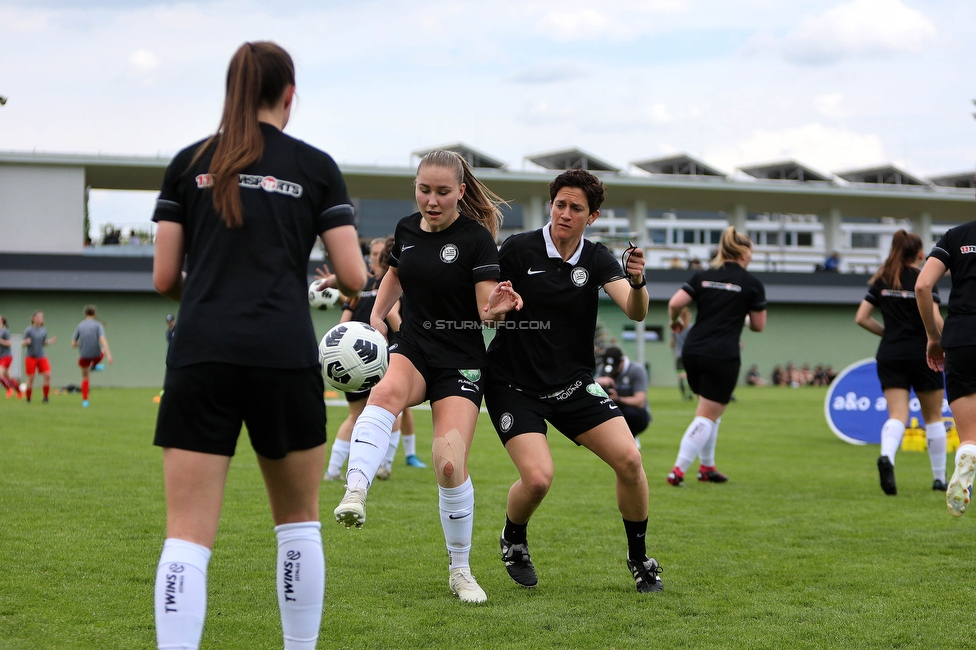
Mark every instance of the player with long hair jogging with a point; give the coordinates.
(901, 356)
(727, 296)
(445, 265)
(243, 209)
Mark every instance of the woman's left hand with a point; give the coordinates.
(503, 299)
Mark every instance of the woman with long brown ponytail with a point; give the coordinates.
(237, 217)
(901, 357)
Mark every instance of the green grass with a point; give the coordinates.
(799, 550)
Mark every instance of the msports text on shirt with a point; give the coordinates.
(477, 325)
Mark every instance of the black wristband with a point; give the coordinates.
(637, 286)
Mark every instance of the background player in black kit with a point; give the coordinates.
(445, 265)
(953, 347)
(240, 213)
(727, 296)
(901, 357)
(359, 309)
(541, 368)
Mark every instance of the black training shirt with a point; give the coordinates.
(245, 295)
(957, 250)
(724, 296)
(364, 306)
(904, 332)
(438, 272)
(549, 343)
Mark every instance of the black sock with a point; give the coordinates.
(681, 385)
(636, 546)
(514, 533)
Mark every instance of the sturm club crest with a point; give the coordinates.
(505, 422)
(579, 276)
(449, 253)
(596, 390)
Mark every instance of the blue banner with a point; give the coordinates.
(856, 407)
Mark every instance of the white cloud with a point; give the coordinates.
(821, 147)
(861, 28)
(143, 61)
(583, 20)
(829, 104)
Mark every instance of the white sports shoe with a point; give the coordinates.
(465, 587)
(332, 477)
(351, 511)
(384, 471)
(961, 486)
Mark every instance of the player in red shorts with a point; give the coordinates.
(5, 359)
(89, 338)
(35, 338)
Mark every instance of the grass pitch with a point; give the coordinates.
(800, 549)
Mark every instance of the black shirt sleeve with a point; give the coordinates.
(691, 286)
(606, 266)
(758, 296)
(336, 208)
(873, 295)
(485, 261)
(170, 205)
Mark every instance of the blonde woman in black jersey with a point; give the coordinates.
(727, 296)
(445, 265)
(901, 357)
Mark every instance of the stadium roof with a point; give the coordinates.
(680, 165)
(884, 175)
(962, 179)
(571, 159)
(786, 170)
(944, 204)
(474, 157)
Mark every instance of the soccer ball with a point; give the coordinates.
(23, 387)
(354, 356)
(321, 297)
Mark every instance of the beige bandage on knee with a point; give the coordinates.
(449, 449)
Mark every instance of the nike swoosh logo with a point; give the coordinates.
(468, 388)
(366, 442)
(535, 272)
(453, 516)
(406, 248)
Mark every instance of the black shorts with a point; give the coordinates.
(443, 382)
(357, 395)
(908, 373)
(711, 377)
(204, 405)
(577, 408)
(960, 372)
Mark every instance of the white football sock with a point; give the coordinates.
(695, 438)
(391, 450)
(891, 435)
(301, 583)
(457, 519)
(965, 447)
(181, 595)
(370, 440)
(707, 453)
(409, 444)
(340, 452)
(936, 435)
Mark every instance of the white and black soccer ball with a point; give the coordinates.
(354, 356)
(320, 296)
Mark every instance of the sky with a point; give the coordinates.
(835, 84)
